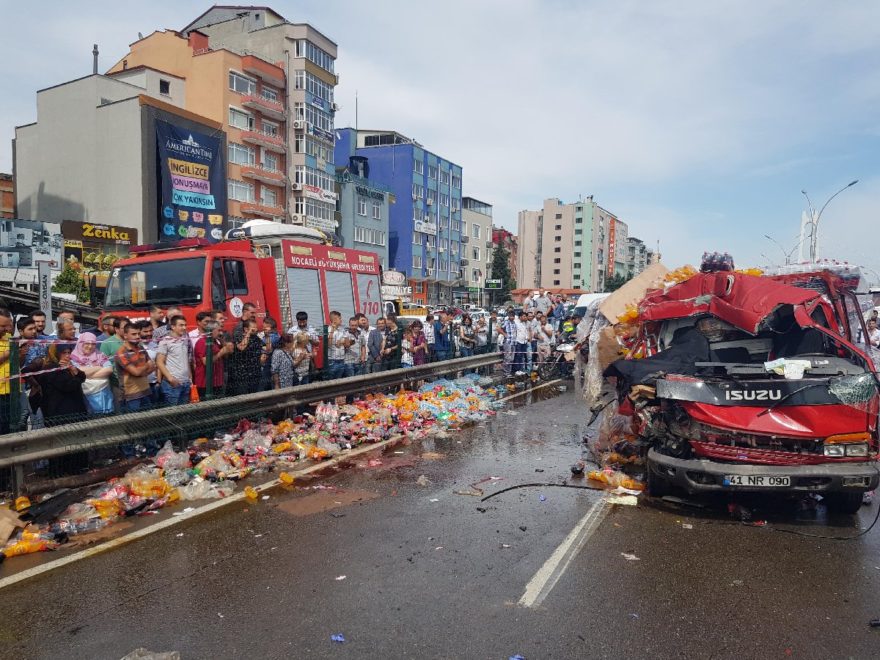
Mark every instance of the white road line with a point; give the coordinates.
(175, 520)
(548, 575)
(530, 390)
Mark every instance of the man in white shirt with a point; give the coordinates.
(521, 338)
(873, 333)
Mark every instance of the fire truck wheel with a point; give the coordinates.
(844, 502)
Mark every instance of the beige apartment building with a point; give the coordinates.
(570, 246)
(476, 225)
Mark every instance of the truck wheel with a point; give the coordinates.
(656, 486)
(848, 503)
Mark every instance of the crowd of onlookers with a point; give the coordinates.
(126, 366)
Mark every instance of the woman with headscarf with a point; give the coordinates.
(97, 368)
(62, 395)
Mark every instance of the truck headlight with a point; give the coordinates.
(859, 449)
(834, 450)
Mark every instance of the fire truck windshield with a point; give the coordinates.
(156, 283)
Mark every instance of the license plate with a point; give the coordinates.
(756, 481)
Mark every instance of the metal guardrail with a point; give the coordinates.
(17, 449)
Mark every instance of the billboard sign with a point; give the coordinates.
(493, 284)
(24, 243)
(192, 184)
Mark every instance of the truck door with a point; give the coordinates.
(230, 288)
(369, 296)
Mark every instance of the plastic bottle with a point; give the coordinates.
(250, 492)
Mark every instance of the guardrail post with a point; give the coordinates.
(14, 386)
(209, 367)
(326, 350)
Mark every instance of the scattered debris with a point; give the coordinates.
(542, 497)
(144, 654)
(522, 528)
(423, 481)
(629, 557)
(339, 638)
(625, 500)
(340, 578)
(686, 526)
(434, 499)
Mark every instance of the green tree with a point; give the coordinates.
(616, 281)
(501, 271)
(70, 280)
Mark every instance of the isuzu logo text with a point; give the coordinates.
(753, 395)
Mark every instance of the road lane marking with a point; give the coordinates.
(548, 575)
(530, 390)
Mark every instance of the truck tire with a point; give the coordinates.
(847, 503)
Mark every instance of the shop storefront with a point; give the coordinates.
(97, 247)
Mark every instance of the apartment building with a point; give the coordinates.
(246, 94)
(425, 233)
(577, 245)
(476, 224)
(308, 57)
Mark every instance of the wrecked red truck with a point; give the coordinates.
(754, 383)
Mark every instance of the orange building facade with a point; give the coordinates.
(7, 196)
(246, 94)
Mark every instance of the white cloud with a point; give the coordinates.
(551, 98)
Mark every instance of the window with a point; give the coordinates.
(417, 261)
(164, 87)
(578, 232)
(558, 227)
(243, 192)
(269, 94)
(362, 206)
(557, 238)
(577, 255)
(241, 120)
(557, 250)
(475, 275)
(444, 243)
(417, 238)
(377, 211)
(431, 240)
(418, 167)
(456, 181)
(370, 236)
(233, 274)
(559, 216)
(444, 177)
(238, 83)
(578, 220)
(316, 86)
(432, 172)
(476, 232)
(236, 221)
(270, 128)
(313, 177)
(270, 161)
(240, 154)
(268, 197)
(456, 204)
(418, 191)
(475, 253)
(557, 261)
(311, 52)
(444, 222)
(453, 247)
(555, 282)
(577, 243)
(319, 118)
(417, 215)
(456, 225)
(444, 199)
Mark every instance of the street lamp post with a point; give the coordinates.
(814, 217)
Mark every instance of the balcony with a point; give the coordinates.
(268, 141)
(266, 72)
(272, 109)
(257, 173)
(253, 208)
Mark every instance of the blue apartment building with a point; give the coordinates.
(424, 224)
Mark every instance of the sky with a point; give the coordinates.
(697, 123)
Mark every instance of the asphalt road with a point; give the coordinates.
(430, 575)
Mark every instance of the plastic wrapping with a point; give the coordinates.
(169, 460)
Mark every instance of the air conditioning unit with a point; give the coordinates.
(299, 124)
(443, 249)
(415, 197)
(298, 219)
(335, 107)
(430, 201)
(296, 186)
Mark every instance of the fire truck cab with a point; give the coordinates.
(280, 269)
